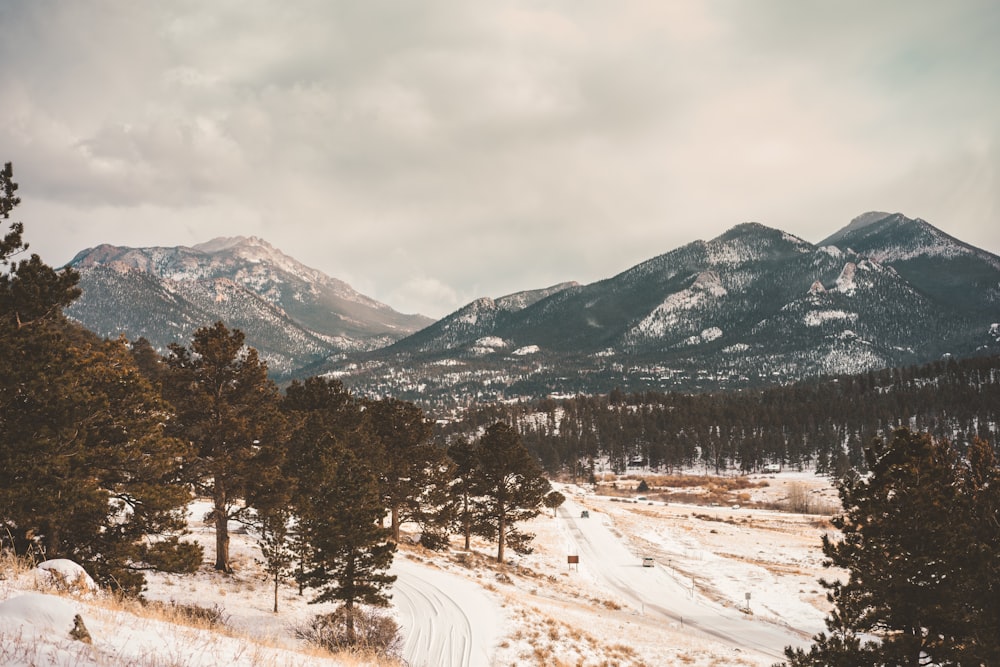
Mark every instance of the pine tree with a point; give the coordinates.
(226, 405)
(553, 500)
(920, 545)
(86, 470)
(323, 418)
(350, 552)
(414, 473)
(276, 546)
(466, 459)
(509, 488)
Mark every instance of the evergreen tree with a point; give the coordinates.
(12, 242)
(466, 459)
(323, 418)
(920, 545)
(414, 473)
(276, 545)
(509, 488)
(553, 500)
(86, 470)
(350, 552)
(226, 405)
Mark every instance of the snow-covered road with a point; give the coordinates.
(605, 556)
(446, 620)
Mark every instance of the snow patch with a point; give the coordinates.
(65, 575)
(706, 336)
(527, 349)
(706, 287)
(845, 281)
(491, 341)
(817, 318)
(44, 612)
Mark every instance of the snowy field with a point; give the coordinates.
(721, 585)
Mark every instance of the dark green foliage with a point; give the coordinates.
(508, 487)
(921, 545)
(553, 500)
(86, 469)
(228, 408)
(336, 496)
(274, 540)
(466, 459)
(821, 424)
(12, 242)
(349, 551)
(414, 472)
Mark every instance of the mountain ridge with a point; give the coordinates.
(751, 306)
(754, 305)
(293, 314)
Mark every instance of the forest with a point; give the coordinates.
(823, 424)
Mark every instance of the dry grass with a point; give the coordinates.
(25, 649)
(688, 489)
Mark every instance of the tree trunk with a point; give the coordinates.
(349, 621)
(501, 532)
(221, 530)
(395, 524)
(467, 521)
(276, 581)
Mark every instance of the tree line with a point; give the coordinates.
(104, 444)
(920, 540)
(824, 423)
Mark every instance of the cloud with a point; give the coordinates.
(433, 152)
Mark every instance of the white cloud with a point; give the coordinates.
(494, 148)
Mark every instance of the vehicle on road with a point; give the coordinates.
(647, 561)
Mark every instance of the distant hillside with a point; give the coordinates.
(752, 307)
(292, 314)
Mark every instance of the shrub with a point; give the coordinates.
(798, 499)
(372, 632)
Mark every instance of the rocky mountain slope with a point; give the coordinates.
(292, 314)
(752, 306)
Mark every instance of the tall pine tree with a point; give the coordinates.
(228, 408)
(509, 488)
(920, 543)
(414, 473)
(86, 470)
(349, 551)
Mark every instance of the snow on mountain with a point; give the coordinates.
(706, 288)
(294, 315)
(753, 306)
(845, 281)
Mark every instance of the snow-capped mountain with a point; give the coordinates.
(753, 306)
(292, 314)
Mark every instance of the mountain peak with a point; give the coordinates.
(227, 242)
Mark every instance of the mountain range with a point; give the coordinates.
(753, 306)
(292, 314)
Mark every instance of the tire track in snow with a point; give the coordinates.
(436, 611)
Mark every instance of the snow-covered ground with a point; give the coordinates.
(690, 606)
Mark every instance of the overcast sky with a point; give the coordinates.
(432, 152)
